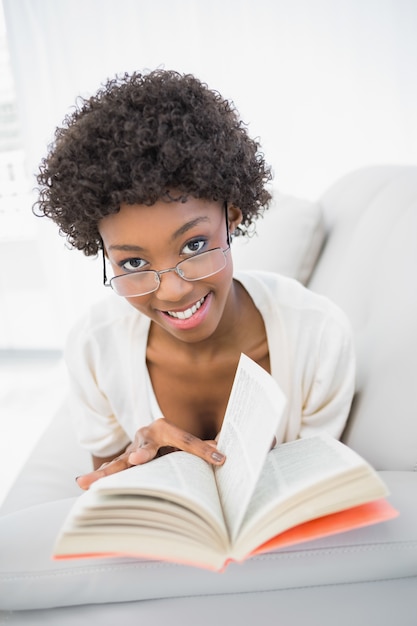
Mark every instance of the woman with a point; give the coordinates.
(158, 173)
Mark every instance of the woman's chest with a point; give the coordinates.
(194, 395)
(193, 398)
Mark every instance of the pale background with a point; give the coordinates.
(327, 85)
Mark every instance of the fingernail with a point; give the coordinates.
(217, 456)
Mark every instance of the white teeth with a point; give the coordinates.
(184, 315)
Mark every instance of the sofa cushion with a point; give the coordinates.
(381, 602)
(29, 579)
(287, 240)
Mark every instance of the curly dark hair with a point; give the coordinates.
(140, 136)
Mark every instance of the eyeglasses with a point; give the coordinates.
(194, 268)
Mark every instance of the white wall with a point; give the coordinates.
(327, 85)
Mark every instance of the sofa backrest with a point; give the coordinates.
(368, 266)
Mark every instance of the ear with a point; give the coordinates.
(234, 217)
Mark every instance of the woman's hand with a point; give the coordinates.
(154, 440)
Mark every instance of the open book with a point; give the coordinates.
(179, 508)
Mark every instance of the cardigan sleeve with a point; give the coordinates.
(328, 389)
(96, 426)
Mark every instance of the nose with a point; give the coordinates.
(172, 288)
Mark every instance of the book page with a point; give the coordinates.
(255, 407)
(297, 466)
(304, 478)
(180, 477)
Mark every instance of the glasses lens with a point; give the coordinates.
(135, 284)
(202, 265)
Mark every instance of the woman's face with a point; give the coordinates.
(157, 237)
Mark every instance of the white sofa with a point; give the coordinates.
(360, 242)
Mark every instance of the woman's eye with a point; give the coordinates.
(132, 265)
(192, 247)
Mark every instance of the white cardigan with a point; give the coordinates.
(311, 357)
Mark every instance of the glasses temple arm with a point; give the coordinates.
(104, 266)
(227, 224)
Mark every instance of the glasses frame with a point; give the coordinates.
(175, 269)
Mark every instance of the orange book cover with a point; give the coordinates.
(363, 515)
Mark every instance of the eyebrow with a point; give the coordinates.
(125, 247)
(188, 225)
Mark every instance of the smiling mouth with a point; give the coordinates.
(184, 315)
